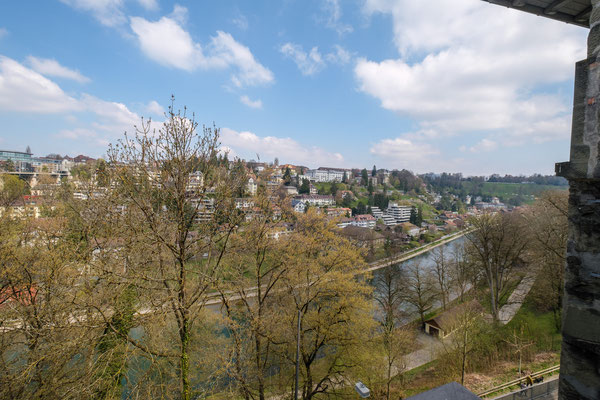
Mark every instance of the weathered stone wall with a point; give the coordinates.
(580, 357)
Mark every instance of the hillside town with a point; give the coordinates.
(371, 207)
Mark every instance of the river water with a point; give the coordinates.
(426, 261)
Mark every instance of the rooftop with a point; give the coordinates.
(575, 12)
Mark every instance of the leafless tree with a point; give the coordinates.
(420, 290)
(442, 273)
(497, 244)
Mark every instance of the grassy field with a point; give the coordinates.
(507, 190)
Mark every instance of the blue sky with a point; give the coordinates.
(441, 85)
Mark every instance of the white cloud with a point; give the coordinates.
(483, 146)
(308, 63)
(339, 56)
(250, 72)
(403, 150)
(251, 103)
(313, 62)
(50, 67)
(249, 144)
(241, 22)
(334, 13)
(179, 14)
(108, 12)
(111, 117)
(24, 90)
(3, 32)
(472, 67)
(154, 108)
(168, 43)
(150, 5)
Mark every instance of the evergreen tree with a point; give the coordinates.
(419, 219)
(413, 216)
(365, 176)
(305, 187)
(374, 171)
(333, 189)
(287, 176)
(345, 178)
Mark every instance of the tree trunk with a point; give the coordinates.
(185, 360)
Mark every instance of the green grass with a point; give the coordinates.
(506, 191)
(537, 327)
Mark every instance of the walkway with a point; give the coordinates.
(516, 299)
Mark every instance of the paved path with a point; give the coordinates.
(517, 297)
(431, 347)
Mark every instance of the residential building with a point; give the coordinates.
(195, 183)
(326, 174)
(399, 213)
(298, 206)
(316, 200)
(362, 221)
(411, 229)
(251, 186)
(376, 212)
(338, 212)
(290, 190)
(363, 237)
(365, 221)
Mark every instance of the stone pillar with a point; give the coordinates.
(580, 357)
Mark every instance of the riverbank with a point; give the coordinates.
(405, 256)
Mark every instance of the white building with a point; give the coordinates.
(251, 186)
(316, 200)
(363, 221)
(325, 174)
(298, 206)
(399, 213)
(376, 212)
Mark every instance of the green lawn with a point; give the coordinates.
(527, 191)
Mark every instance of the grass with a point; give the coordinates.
(527, 192)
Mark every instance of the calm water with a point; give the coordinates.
(427, 262)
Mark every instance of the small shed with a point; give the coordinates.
(445, 323)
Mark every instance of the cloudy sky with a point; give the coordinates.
(440, 85)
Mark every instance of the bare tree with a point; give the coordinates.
(395, 340)
(462, 275)
(497, 244)
(420, 289)
(547, 224)
(442, 274)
